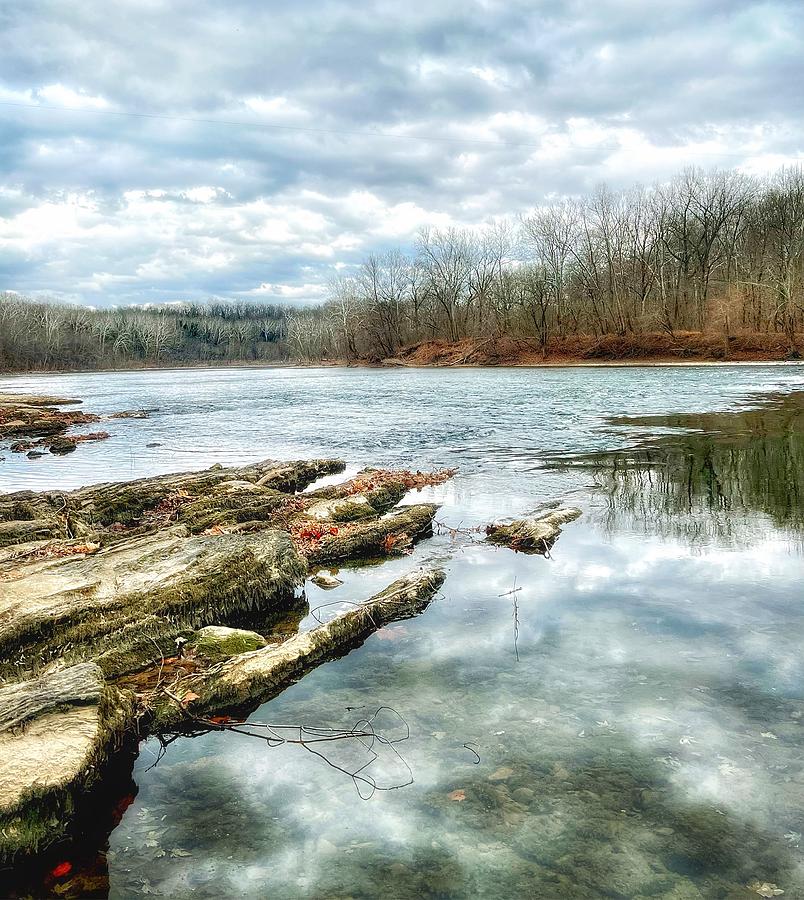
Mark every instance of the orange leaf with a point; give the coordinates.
(189, 697)
(215, 529)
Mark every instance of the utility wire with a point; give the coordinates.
(345, 132)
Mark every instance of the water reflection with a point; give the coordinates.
(710, 476)
(643, 736)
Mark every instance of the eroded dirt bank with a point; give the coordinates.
(651, 348)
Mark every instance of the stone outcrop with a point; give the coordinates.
(25, 415)
(261, 674)
(106, 590)
(536, 534)
(56, 733)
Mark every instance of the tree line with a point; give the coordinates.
(40, 335)
(709, 251)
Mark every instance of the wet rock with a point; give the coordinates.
(257, 676)
(133, 414)
(37, 400)
(326, 581)
(532, 535)
(34, 454)
(56, 733)
(25, 415)
(217, 642)
(374, 537)
(62, 446)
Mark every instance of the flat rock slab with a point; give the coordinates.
(36, 400)
(55, 733)
(121, 605)
(25, 415)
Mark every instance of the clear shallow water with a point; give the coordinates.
(637, 716)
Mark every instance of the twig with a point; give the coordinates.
(470, 748)
(309, 736)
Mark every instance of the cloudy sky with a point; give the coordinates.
(154, 150)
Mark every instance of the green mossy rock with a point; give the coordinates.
(217, 642)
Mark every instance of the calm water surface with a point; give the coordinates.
(635, 705)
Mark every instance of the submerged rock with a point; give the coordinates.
(133, 414)
(326, 581)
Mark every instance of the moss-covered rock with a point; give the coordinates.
(56, 735)
(214, 643)
(127, 602)
(255, 677)
(532, 535)
(107, 581)
(342, 509)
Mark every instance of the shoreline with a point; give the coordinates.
(398, 365)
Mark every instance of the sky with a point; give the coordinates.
(154, 151)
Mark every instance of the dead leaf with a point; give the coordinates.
(189, 697)
(215, 529)
(457, 795)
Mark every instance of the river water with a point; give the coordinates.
(620, 719)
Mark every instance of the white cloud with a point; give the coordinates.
(501, 105)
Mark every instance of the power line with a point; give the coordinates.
(342, 132)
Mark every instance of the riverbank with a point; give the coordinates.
(656, 348)
(153, 606)
(589, 351)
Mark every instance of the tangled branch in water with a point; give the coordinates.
(311, 738)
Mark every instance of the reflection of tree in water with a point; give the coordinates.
(710, 480)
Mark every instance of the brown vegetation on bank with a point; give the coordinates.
(653, 347)
(709, 265)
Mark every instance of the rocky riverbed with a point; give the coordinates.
(173, 603)
(145, 606)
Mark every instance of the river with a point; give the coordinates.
(620, 719)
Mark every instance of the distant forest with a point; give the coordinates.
(39, 335)
(718, 252)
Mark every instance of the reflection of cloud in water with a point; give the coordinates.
(647, 741)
